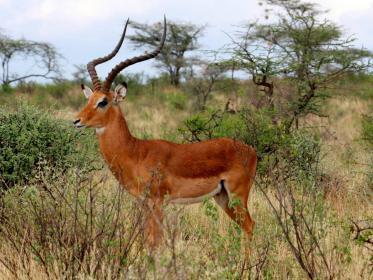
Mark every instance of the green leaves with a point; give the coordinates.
(299, 149)
(31, 141)
(181, 38)
(302, 46)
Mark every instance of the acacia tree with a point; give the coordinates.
(81, 74)
(42, 56)
(301, 46)
(181, 39)
(204, 80)
(310, 53)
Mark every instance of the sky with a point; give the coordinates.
(84, 29)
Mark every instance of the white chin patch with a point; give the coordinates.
(100, 130)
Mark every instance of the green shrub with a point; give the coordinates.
(31, 141)
(57, 95)
(202, 126)
(177, 100)
(135, 82)
(300, 149)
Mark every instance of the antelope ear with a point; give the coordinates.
(120, 92)
(86, 90)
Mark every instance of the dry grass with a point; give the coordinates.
(199, 246)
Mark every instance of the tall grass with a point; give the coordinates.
(85, 226)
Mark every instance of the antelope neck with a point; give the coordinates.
(116, 137)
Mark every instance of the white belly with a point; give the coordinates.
(191, 200)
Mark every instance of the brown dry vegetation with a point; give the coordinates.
(93, 216)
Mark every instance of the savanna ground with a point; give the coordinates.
(80, 224)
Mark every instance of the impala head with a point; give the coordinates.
(101, 99)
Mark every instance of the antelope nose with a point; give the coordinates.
(76, 121)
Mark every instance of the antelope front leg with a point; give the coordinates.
(153, 225)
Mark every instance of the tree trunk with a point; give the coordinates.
(177, 77)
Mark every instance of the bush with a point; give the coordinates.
(256, 128)
(177, 100)
(80, 230)
(135, 82)
(30, 141)
(289, 178)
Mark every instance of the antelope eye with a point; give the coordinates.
(102, 103)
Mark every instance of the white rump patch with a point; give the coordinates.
(191, 200)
